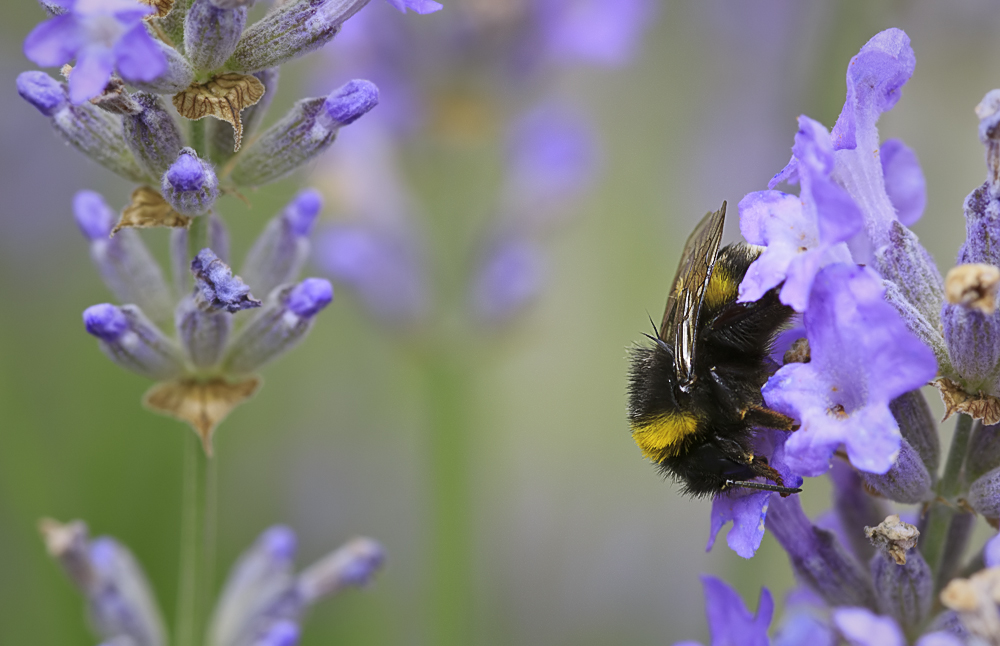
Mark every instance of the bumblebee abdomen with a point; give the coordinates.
(665, 435)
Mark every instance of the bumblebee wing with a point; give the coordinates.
(680, 319)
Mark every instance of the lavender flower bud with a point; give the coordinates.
(984, 450)
(131, 340)
(855, 508)
(211, 33)
(295, 28)
(180, 264)
(904, 590)
(353, 565)
(281, 633)
(216, 286)
(984, 494)
(119, 600)
(190, 185)
(282, 248)
(124, 262)
(152, 135)
(988, 112)
(906, 263)
(817, 557)
(86, 127)
(308, 129)
(178, 75)
(928, 331)
(918, 427)
(220, 133)
(261, 577)
(907, 480)
(203, 334)
(282, 323)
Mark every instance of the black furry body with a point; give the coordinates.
(707, 415)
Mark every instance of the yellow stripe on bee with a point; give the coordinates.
(664, 436)
(721, 288)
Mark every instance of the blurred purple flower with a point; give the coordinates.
(862, 357)
(747, 508)
(382, 268)
(552, 157)
(103, 36)
(511, 276)
(592, 31)
(417, 6)
(729, 621)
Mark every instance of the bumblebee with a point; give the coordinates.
(694, 395)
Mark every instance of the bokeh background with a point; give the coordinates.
(503, 448)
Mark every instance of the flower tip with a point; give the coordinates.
(988, 112)
(42, 91)
(281, 633)
(105, 321)
(367, 557)
(309, 297)
(187, 173)
(301, 212)
(93, 215)
(349, 102)
(280, 542)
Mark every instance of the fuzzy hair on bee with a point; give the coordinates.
(694, 393)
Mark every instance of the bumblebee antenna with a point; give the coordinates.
(749, 484)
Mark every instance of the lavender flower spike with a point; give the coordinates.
(211, 33)
(86, 127)
(283, 247)
(295, 28)
(152, 135)
(259, 580)
(119, 600)
(133, 342)
(863, 357)
(304, 132)
(103, 37)
(190, 185)
(281, 325)
(217, 288)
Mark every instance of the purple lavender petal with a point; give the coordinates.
(351, 101)
(137, 56)
(105, 321)
(939, 639)
(93, 215)
(281, 633)
(862, 627)
(54, 42)
(875, 77)
(729, 621)
(190, 185)
(92, 72)
(904, 180)
(862, 357)
(991, 552)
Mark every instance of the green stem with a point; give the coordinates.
(209, 526)
(191, 557)
(942, 514)
(451, 577)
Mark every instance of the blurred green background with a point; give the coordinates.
(573, 538)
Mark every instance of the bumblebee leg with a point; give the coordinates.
(761, 416)
(750, 484)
